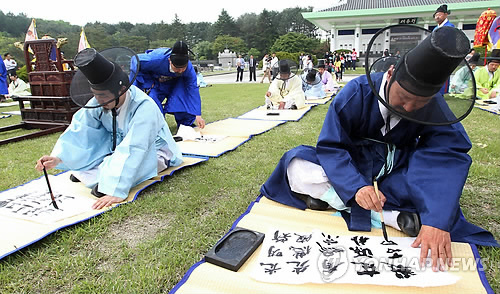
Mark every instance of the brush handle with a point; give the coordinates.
(50, 189)
(375, 185)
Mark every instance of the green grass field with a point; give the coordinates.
(146, 246)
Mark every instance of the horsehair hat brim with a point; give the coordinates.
(105, 70)
(312, 77)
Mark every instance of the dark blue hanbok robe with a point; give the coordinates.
(430, 168)
(182, 93)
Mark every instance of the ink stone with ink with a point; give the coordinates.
(235, 248)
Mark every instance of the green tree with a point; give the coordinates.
(295, 42)
(199, 31)
(256, 53)
(177, 29)
(225, 25)
(291, 20)
(247, 24)
(204, 50)
(234, 44)
(266, 32)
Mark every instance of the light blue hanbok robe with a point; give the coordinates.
(87, 144)
(313, 91)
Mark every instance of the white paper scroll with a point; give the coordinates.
(314, 257)
(32, 202)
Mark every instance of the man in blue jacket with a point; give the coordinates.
(396, 128)
(167, 73)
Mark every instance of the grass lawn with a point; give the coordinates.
(147, 246)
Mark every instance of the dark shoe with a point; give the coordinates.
(293, 107)
(312, 203)
(96, 193)
(73, 179)
(409, 223)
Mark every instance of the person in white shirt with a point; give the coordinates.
(10, 64)
(274, 65)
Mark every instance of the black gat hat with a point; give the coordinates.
(423, 71)
(105, 70)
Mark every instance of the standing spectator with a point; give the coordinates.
(354, 58)
(266, 67)
(301, 62)
(4, 90)
(386, 53)
(348, 60)
(10, 64)
(274, 66)
(240, 67)
(309, 64)
(338, 68)
(251, 68)
(304, 61)
(342, 59)
(441, 17)
(398, 54)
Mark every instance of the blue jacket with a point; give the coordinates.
(155, 77)
(430, 164)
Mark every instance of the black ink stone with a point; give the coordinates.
(234, 249)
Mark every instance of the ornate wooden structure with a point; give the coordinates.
(50, 108)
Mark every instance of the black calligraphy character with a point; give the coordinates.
(329, 240)
(272, 268)
(271, 252)
(329, 251)
(402, 272)
(362, 252)
(388, 243)
(283, 238)
(300, 252)
(368, 269)
(330, 267)
(361, 241)
(395, 254)
(299, 267)
(303, 238)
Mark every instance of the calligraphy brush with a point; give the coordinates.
(384, 229)
(50, 189)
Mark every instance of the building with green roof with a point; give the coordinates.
(352, 23)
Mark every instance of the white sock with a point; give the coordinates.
(391, 218)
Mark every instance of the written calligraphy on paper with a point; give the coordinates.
(32, 202)
(316, 257)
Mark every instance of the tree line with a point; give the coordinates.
(251, 33)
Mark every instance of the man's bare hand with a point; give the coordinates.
(367, 198)
(484, 90)
(49, 162)
(200, 122)
(106, 201)
(439, 242)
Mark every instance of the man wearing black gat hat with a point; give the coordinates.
(168, 73)
(118, 138)
(441, 17)
(395, 128)
(285, 91)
